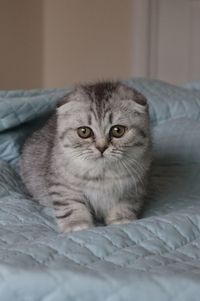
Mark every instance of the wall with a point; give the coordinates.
(21, 44)
(53, 43)
(86, 40)
(178, 41)
(166, 40)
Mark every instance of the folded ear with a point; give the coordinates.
(139, 98)
(62, 101)
(135, 96)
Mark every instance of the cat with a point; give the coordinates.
(90, 161)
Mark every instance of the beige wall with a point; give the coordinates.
(21, 44)
(86, 40)
(53, 43)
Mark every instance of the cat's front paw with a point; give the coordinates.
(122, 213)
(120, 221)
(71, 227)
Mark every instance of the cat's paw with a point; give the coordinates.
(120, 221)
(122, 213)
(71, 227)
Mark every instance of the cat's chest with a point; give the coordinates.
(104, 194)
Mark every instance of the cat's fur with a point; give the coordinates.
(69, 173)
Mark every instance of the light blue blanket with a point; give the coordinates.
(155, 258)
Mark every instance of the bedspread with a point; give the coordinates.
(154, 258)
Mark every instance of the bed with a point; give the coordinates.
(154, 258)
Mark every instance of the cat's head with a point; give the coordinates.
(103, 123)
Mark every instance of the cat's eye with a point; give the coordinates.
(117, 131)
(84, 132)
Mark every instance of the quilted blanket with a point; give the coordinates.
(154, 258)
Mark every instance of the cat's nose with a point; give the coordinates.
(102, 148)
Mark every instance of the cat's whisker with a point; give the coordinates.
(138, 171)
(131, 175)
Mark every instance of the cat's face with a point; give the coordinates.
(103, 124)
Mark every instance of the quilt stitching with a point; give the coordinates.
(161, 250)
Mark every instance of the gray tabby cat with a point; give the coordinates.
(91, 159)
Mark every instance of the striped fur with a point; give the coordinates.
(98, 178)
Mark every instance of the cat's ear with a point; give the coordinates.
(132, 94)
(139, 102)
(62, 101)
(140, 99)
